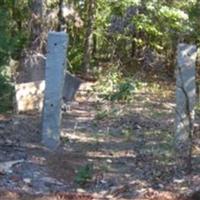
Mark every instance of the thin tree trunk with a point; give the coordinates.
(61, 21)
(90, 7)
(37, 11)
(94, 49)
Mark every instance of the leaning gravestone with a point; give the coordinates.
(185, 102)
(71, 86)
(54, 72)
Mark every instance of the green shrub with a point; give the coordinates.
(6, 95)
(124, 91)
(84, 174)
(113, 86)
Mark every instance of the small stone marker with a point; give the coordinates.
(185, 102)
(54, 72)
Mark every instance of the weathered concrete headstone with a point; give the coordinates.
(32, 68)
(29, 96)
(54, 72)
(185, 102)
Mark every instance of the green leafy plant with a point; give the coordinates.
(6, 95)
(84, 174)
(127, 133)
(113, 86)
(124, 91)
(107, 81)
(65, 140)
(102, 114)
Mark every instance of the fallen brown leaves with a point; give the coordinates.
(7, 195)
(68, 196)
(156, 195)
(149, 195)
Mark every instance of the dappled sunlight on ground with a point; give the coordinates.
(115, 150)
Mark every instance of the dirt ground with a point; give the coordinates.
(107, 151)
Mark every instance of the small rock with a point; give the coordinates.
(26, 188)
(51, 180)
(109, 161)
(16, 122)
(80, 190)
(178, 180)
(27, 180)
(137, 126)
(5, 167)
(161, 186)
(2, 126)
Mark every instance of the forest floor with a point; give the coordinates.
(108, 150)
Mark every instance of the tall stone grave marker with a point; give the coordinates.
(185, 102)
(54, 77)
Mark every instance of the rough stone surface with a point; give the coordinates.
(32, 69)
(29, 96)
(185, 100)
(71, 86)
(55, 66)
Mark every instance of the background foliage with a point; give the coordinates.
(130, 35)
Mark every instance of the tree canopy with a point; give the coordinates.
(131, 30)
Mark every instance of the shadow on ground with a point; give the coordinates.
(113, 150)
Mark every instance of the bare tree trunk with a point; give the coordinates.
(37, 12)
(61, 20)
(94, 48)
(31, 67)
(90, 7)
